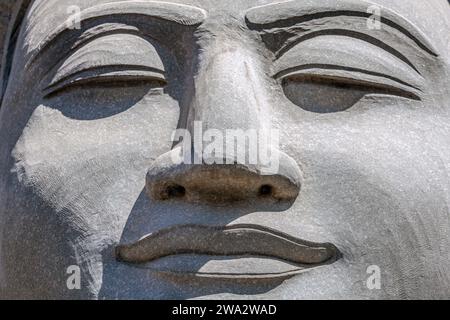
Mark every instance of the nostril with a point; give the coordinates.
(219, 184)
(266, 190)
(176, 191)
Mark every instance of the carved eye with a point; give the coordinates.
(108, 77)
(329, 94)
(105, 91)
(112, 61)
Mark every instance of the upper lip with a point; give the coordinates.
(237, 240)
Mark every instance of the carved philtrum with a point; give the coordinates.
(239, 240)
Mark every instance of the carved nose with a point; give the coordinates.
(229, 95)
(222, 183)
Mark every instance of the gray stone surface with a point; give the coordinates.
(87, 170)
(5, 16)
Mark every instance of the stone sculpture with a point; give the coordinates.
(90, 186)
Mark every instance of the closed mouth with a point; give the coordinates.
(231, 241)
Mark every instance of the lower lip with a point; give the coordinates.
(238, 267)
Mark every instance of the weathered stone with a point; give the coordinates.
(313, 158)
(5, 15)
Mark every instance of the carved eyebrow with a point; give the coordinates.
(179, 14)
(284, 14)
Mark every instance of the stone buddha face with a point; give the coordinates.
(358, 93)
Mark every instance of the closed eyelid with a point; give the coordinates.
(118, 55)
(355, 79)
(348, 55)
(343, 33)
(108, 74)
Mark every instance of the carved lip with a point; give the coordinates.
(237, 240)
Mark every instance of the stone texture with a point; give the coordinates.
(89, 176)
(5, 15)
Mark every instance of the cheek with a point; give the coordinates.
(373, 178)
(94, 170)
(75, 182)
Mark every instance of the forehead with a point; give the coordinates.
(432, 16)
